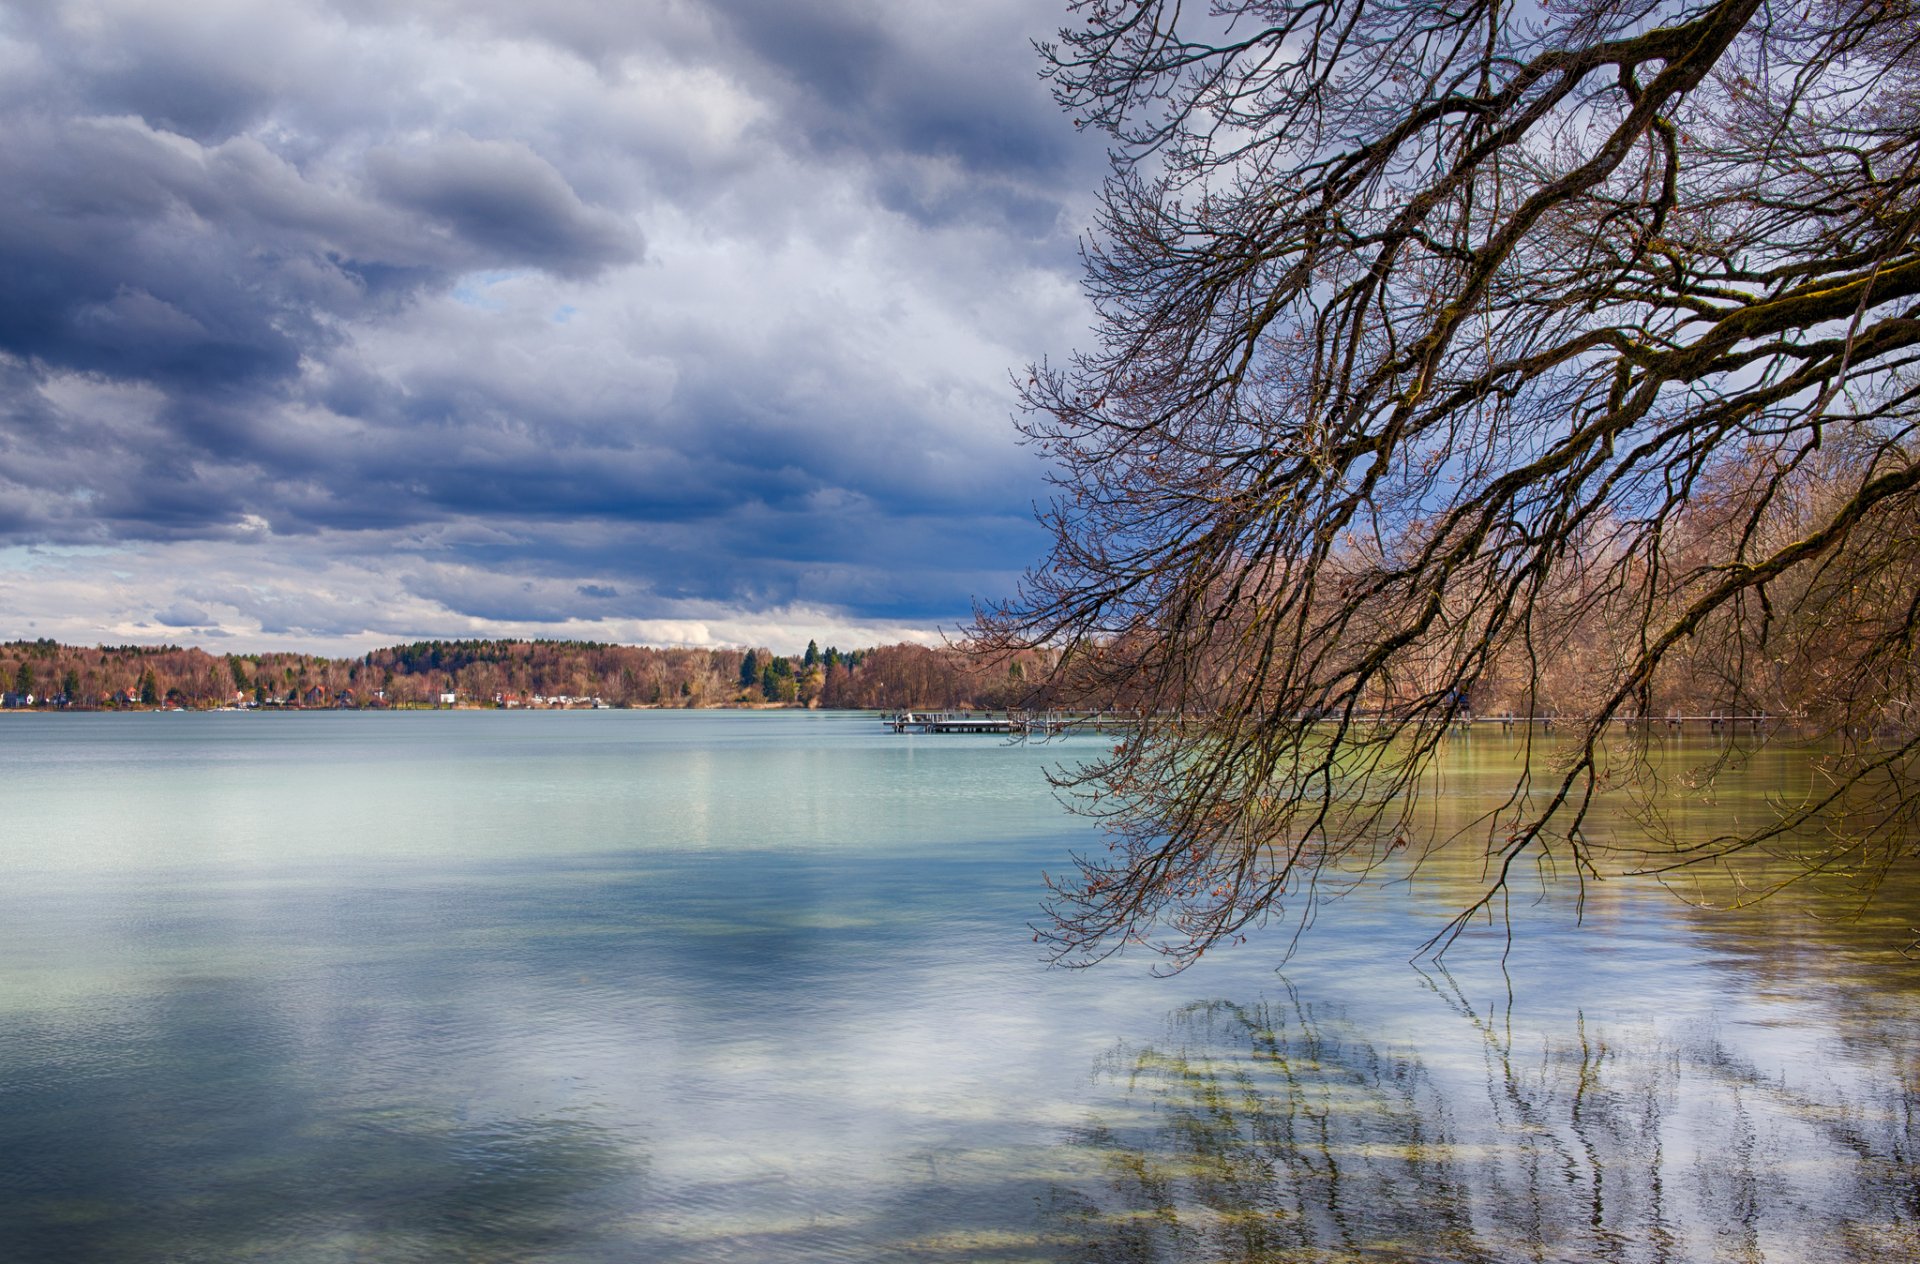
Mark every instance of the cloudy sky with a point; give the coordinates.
(326, 324)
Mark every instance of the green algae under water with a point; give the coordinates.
(648, 986)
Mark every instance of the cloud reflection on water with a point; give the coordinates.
(697, 987)
(202, 1125)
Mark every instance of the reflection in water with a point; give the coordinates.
(204, 1133)
(1277, 1131)
(322, 988)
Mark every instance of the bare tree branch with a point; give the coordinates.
(1560, 363)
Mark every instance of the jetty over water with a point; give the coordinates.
(1030, 723)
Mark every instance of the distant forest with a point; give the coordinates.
(46, 674)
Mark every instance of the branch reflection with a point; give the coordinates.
(1277, 1131)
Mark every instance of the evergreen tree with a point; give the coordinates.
(813, 654)
(749, 670)
(23, 680)
(149, 688)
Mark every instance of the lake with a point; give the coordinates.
(598, 986)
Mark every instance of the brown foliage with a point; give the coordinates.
(477, 672)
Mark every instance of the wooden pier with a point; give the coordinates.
(1007, 723)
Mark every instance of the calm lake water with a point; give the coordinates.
(736, 986)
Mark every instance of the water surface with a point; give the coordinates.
(709, 986)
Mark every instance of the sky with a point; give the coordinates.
(331, 324)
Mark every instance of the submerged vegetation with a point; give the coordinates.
(1281, 1131)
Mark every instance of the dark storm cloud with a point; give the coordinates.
(111, 260)
(919, 87)
(140, 254)
(711, 305)
(916, 82)
(506, 201)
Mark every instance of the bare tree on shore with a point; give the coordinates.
(1450, 349)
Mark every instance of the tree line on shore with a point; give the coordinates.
(46, 674)
(1712, 676)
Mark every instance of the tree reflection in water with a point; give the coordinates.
(1278, 1132)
